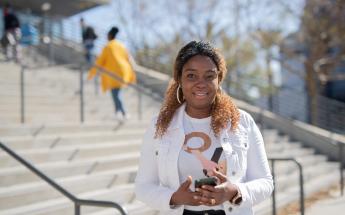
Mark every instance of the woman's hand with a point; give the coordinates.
(184, 195)
(211, 196)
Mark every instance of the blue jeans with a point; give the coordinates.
(117, 98)
(89, 52)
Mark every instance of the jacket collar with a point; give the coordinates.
(177, 120)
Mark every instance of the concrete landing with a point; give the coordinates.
(335, 205)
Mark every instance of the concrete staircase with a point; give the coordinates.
(53, 93)
(98, 159)
(100, 169)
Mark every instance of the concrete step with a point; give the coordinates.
(29, 193)
(134, 208)
(283, 182)
(120, 194)
(292, 194)
(306, 161)
(294, 152)
(12, 176)
(270, 135)
(62, 139)
(282, 146)
(88, 118)
(36, 104)
(41, 129)
(70, 153)
(56, 107)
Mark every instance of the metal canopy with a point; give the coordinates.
(57, 7)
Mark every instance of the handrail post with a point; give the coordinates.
(341, 159)
(301, 183)
(301, 186)
(81, 82)
(140, 111)
(261, 121)
(274, 190)
(76, 209)
(96, 85)
(22, 95)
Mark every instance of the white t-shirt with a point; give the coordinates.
(198, 149)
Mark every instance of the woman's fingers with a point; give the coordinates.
(185, 185)
(209, 201)
(222, 178)
(208, 188)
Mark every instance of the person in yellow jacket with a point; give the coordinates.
(115, 59)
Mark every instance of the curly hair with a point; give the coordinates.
(223, 109)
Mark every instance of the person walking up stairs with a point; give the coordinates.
(115, 59)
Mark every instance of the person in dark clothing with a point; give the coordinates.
(89, 36)
(12, 32)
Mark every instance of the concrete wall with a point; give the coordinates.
(63, 52)
(323, 141)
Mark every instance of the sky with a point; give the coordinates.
(151, 18)
(137, 20)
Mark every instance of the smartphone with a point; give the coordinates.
(205, 181)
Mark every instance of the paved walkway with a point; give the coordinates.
(333, 206)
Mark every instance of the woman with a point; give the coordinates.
(200, 133)
(115, 59)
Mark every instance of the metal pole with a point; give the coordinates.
(22, 96)
(301, 187)
(261, 121)
(81, 95)
(236, 80)
(341, 168)
(96, 84)
(76, 209)
(51, 45)
(274, 191)
(140, 111)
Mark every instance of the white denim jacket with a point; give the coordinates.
(247, 166)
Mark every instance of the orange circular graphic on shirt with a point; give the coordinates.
(203, 136)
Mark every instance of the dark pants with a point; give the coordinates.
(117, 98)
(207, 212)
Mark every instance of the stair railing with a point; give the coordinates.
(23, 69)
(139, 89)
(301, 183)
(77, 201)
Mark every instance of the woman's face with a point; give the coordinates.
(199, 82)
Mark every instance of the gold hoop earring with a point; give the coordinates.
(220, 90)
(177, 94)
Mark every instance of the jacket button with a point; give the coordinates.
(156, 152)
(225, 139)
(245, 144)
(230, 209)
(233, 173)
(233, 152)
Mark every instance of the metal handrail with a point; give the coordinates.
(22, 95)
(77, 201)
(136, 87)
(23, 69)
(139, 89)
(301, 183)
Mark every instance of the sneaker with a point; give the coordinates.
(119, 116)
(127, 116)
